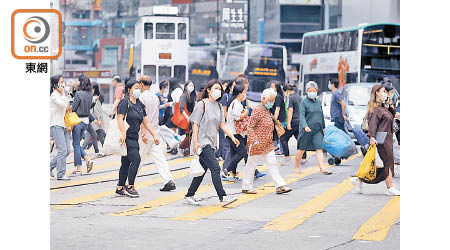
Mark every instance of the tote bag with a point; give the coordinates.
(368, 169)
(195, 168)
(112, 139)
(178, 119)
(71, 119)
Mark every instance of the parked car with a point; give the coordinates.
(325, 98)
(356, 97)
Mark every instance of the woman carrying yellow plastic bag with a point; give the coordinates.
(368, 169)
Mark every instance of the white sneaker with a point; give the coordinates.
(226, 200)
(392, 191)
(63, 178)
(191, 201)
(357, 184)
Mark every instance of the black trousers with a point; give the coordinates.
(284, 139)
(237, 153)
(208, 160)
(130, 163)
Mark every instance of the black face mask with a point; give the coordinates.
(146, 83)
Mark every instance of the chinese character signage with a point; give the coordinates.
(232, 17)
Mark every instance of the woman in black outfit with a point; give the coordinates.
(134, 111)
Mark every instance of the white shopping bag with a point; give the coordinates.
(195, 168)
(112, 139)
(169, 136)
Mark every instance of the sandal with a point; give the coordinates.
(89, 166)
(326, 172)
(249, 192)
(75, 172)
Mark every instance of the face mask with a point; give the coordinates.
(166, 93)
(312, 95)
(329, 86)
(383, 97)
(269, 105)
(215, 93)
(136, 93)
(190, 89)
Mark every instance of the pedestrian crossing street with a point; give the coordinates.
(98, 188)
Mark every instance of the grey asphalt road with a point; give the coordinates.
(86, 219)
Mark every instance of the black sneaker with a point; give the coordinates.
(130, 191)
(168, 187)
(121, 192)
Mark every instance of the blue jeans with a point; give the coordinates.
(78, 152)
(61, 137)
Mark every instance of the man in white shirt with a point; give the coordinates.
(146, 144)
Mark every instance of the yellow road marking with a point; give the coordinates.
(154, 204)
(378, 226)
(91, 197)
(102, 166)
(105, 177)
(297, 216)
(245, 198)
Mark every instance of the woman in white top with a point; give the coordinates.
(58, 106)
(236, 114)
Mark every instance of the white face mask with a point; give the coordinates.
(165, 93)
(215, 93)
(383, 97)
(190, 89)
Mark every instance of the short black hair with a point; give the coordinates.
(290, 86)
(163, 84)
(334, 82)
(130, 83)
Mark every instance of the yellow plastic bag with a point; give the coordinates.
(368, 169)
(71, 119)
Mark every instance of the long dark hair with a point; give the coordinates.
(173, 84)
(238, 89)
(85, 83)
(192, 96)
(209, 85)
(278, 87)
(54, 82)
(96, 90)
(229, 86)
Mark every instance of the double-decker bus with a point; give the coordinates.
(367, 53)
(202, 66)
(260, 62)
(161, 44)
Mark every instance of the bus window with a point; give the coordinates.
(179, 72)
(354, 36)
(347, 41)
(182, 31)
(333, 41)
(340, 42)
(165, 31)
(320, 43)
(164, 72)
(326, 40)
(150, 70)
(148, 31)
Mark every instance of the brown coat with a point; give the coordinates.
(380, 120)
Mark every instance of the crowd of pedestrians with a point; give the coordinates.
(220, 127)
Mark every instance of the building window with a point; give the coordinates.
(165, 31)
(109, 56)
(79, 62)
(148, 31)
(300, 14)
(182, 31)
(179, 72)
(81, 14)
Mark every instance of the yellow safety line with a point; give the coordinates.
(245, 198)
(381, 45)
(94, 179)
(153, 204)
(297, 216)
(91, 197)
(378, 226)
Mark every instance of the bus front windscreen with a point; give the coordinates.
(264, 64)
(202, 67)
(380, 54)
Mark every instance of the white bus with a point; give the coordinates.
(368, 53)
(161, 44)
(260, 62)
